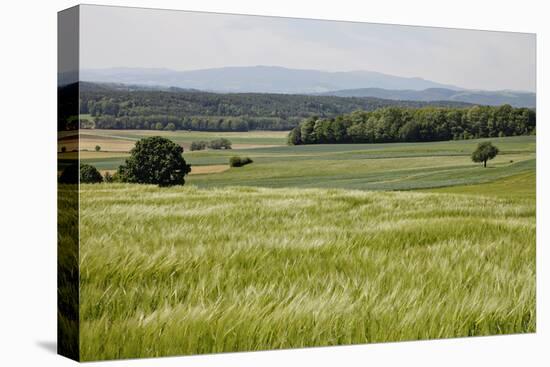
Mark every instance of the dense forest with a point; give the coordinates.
(398, 124)
(124, 107)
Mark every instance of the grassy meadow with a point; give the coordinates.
(308, 246)
(394, 166)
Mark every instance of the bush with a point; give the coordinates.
(89, 174)
(198, 145)
(69, 174)
(239, 162)
(155, 160)
(63, 149)
(108, 177)
(221, 143)
(235, 161)
(116, 177)
(97, 148)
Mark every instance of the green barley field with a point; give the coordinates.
(310, 246)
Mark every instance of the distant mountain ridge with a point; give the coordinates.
(258, 79)
(491, 98)
(274, 79)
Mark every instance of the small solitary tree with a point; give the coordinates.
(70, 174)
(155, 160)
(485, 151)
(97, 148)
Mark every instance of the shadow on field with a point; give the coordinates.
(48, 345)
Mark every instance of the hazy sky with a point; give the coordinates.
(130, 37)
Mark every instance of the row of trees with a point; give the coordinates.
(112, 108)
(220, 143)
(198, 123)
(396, 124)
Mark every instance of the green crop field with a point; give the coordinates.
(310, 246)
(188, 270)
(397, 166)
(522, 186)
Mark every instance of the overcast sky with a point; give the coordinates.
(131, 37)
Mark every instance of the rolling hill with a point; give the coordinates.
(491, 98)
(258, 79)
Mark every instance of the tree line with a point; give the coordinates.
(116, 108)
(197, 123)
(398, 124)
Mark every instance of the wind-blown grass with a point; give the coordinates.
(188, 270)
(522, 186)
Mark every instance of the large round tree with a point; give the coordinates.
(155, 160)
(484, 152)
